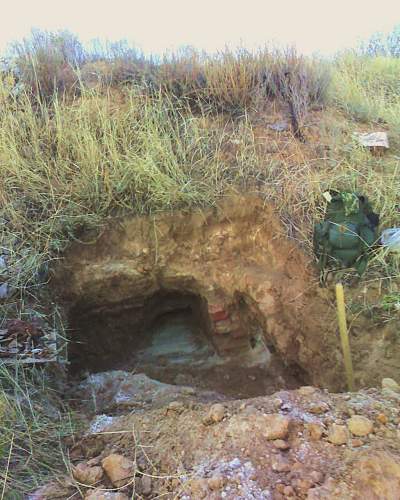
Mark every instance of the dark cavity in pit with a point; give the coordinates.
(169, 336)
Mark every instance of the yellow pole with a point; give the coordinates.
(344, 336)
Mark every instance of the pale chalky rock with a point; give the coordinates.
(338, 434)
(99, 494)
(373, 139)
(392, 385)
(87, 475)
(276, 426)
(359, 425)
(119, 469)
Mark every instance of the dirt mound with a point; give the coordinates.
(246, 287)
(301, 444)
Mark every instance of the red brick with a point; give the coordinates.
(219, 315)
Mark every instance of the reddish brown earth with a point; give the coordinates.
(233, 266)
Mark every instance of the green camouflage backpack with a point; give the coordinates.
(347, 233)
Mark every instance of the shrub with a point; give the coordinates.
(45, 62)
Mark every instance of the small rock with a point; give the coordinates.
(87, 475)
(338, 434)
(52, 490)
(280, 444)
(318, 408)
(281, 466)
(176, 406)
(382, 418)
(119, 469)
(215, 415)
(315, 431)
(280, 126)
(199, 488)
(356, 443)
(145, 485)
(3, 264)
(3, 291)
(288, 491)
(215, 482)
(307, 390)
(392, 385)
(277, 426)
(317, 477)
(303, 485)
(359, 425)
(99, 494)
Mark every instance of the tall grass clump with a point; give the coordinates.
(33, 424)
(368, 88)
(66, 167)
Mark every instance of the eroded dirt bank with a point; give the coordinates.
(250, 292)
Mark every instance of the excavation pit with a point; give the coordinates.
(217, 299)
(169, 336)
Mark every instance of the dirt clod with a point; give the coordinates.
(315, 431)
(87, 475)
(280, 444)
(276, 427)
(338, 434)
(119, 469)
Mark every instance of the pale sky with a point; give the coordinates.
(159, 25)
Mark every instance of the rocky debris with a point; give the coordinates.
(360, 426)
(87, 475)
(26, 341)
(373, 140)
(309, 456)
(100, 494)
(338, 434)
(277, 427)
(119, 469)
(216, 414)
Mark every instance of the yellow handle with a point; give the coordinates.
(344, 336)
